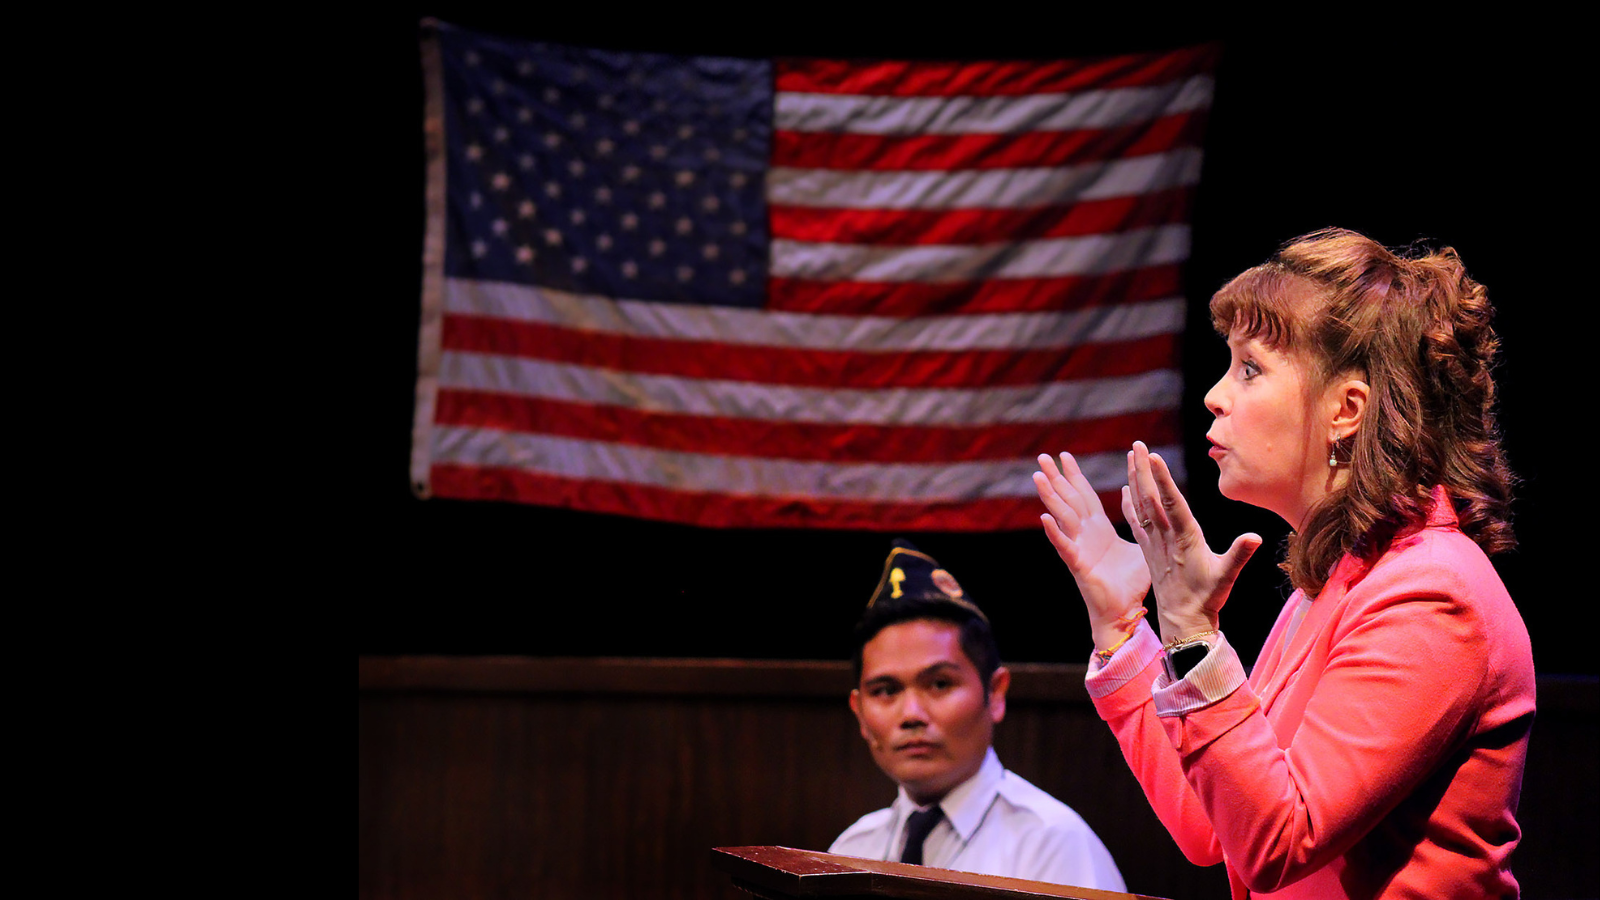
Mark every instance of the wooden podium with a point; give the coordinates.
(781, 873)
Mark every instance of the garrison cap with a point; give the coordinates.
(908, 572)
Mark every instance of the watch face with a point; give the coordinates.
(1179, 661)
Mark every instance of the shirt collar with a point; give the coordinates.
(967, 802)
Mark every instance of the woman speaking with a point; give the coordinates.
(1376, 749)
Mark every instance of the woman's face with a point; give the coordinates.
(1270, 439)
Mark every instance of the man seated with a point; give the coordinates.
(930, 689)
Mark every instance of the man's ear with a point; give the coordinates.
(1349, 398)
(855, 707)
(999, 683)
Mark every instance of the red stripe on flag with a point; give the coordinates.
(807, 367)
(939, 152)
(800, 440)
(725, 511)
(905, 227)
(908, 299)
(996, 78)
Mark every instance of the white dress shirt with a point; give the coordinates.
(995, 823)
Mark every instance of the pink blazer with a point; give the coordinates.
(1377, 748)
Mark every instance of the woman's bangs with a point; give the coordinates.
(1256, 305)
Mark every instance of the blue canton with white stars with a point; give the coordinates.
(628, 175)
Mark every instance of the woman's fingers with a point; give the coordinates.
(1058, 520)
(1080, 485)
(1191, 583)
(1111, 573)
(1050, 494)
(1131, 514)
(1069, 484)
(1171, 499)
(1146, 497)
(1158, 502)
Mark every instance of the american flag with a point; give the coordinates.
(798, 292)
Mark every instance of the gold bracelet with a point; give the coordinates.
(1129, 623)
(1190, 639)
(1106, 654)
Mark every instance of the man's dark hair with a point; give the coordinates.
(977, 639)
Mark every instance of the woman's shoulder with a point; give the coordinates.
(1440, 581)
(1438, 586)
(1437, 560)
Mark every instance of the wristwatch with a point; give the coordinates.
(1179, 659)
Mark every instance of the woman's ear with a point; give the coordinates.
(1348, 397)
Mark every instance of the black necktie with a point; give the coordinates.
(917, 828)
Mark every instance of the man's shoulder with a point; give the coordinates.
(1024, 796)
(858, 839)
(1045, 840)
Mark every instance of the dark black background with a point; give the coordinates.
(1402, 133)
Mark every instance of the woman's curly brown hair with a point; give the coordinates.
(1417, 329)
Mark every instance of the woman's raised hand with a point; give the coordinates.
(1191, 583)
(1110, 571)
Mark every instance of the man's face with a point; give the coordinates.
(921, 707)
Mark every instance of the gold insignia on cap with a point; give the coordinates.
(910, 571)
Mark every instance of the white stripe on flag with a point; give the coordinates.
(760, 476)
(935, 263)
(1017, 188)
(1052, 402)
(798, 331)
(1108, 108)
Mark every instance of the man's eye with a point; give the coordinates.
(1250, 370)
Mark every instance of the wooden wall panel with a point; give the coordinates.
(531, 794)
(521, 778)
